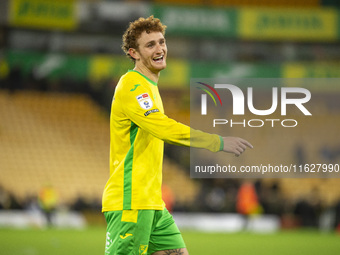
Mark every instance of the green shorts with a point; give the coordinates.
(137, 232)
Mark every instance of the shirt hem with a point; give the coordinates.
(108, 209)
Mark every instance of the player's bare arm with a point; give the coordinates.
(235, 145)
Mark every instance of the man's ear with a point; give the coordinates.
(134, 53)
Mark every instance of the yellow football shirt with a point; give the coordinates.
(138, 130)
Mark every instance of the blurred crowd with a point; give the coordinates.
(249, 198)
(46, 201)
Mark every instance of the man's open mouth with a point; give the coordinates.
(158, 59)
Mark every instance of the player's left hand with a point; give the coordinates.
(235, 145)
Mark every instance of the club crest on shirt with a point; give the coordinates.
(143, 249)
(145, 101)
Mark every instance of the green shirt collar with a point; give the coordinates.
(148, 79)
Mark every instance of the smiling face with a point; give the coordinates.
(151, 52)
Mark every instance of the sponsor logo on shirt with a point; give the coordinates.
(151, 111)
(143, 249)
(109, 241)
(135, 87)
(145, 101)
(126, 235)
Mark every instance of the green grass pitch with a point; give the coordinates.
(92, 241)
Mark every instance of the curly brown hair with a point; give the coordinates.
(136, 28)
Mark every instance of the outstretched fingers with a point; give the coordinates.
(246, 143)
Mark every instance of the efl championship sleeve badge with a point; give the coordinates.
(145, 101)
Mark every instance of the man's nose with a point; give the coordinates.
(159, 48)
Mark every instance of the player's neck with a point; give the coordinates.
(148, 73)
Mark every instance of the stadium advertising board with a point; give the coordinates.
(320, 24)
(241, 70)
(106, 67)
(44, 14)
(311, 70)
(49, 66)
(291, 125)
(289, 24)
(95, 68)
(197, 21)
